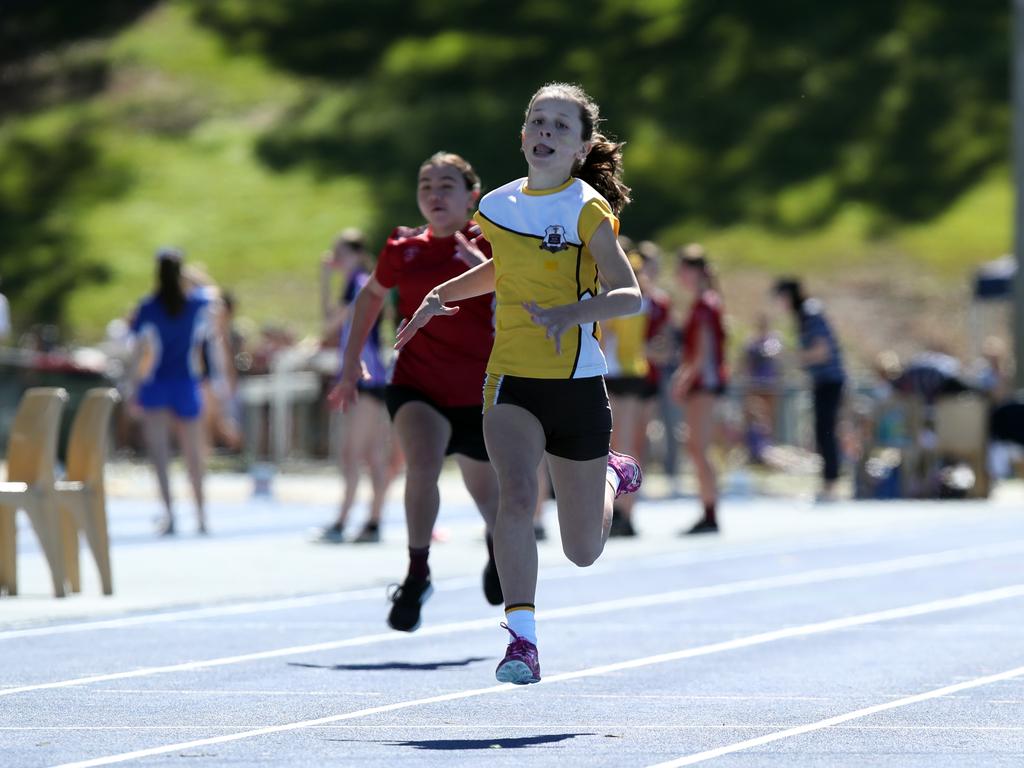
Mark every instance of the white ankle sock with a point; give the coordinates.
(520, 619)
(612, 477)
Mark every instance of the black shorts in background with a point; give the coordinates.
(631, 386)
(467, 421)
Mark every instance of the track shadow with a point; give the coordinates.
(427, 666)
(458, 745)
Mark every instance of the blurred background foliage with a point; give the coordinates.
(788, 135)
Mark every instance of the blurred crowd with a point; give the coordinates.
(678, 384)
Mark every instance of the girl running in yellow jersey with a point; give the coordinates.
(553, 239)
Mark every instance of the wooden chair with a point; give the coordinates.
(80, 496)
(31, 456)
(961, 432)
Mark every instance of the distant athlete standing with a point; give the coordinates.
(701, 378)
(172, 326)
(553, 236)
(434, 397)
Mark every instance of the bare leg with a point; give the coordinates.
(700, 419)
(360, 442)
(378, 455)
(190, 436)
(515, 443)
(543, 491)
(482, 484)
(156, 431)
(584, 506)
(424, 434)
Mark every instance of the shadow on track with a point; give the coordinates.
(426, 666)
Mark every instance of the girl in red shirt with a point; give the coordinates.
(702, 377)
(435, 393)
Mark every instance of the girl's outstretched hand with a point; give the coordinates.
(468, 252)
(555, 320)
(431, 306)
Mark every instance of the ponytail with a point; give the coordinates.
(603, 171)
(793, 290)
(169, 291)
(602, 168)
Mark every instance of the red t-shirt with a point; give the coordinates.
(706, 318)
(659, 306)
(447, 357)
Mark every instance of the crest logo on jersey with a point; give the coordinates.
(410, 253)
(554, 239)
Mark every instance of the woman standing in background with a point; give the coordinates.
(172, 326)
(821, 358)
(701, 377)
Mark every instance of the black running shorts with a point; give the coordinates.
(467, 422)
(574, 413)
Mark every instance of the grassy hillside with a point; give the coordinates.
(177, 145)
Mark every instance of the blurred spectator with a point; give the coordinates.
(701, 378)
(173, 326)
(5, 318)
(349, 249)
(632, 383)
(761, 366)
(220, 414)
(930, 374)
(366, 435)
(990, 373)
(822, 359)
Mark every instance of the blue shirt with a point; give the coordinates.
(371, 355)
(814, 326)
(176, 340)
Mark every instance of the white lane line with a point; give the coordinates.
(830, 722)
(647, 562)
(802, 578)
(846, 622)
(532, 727)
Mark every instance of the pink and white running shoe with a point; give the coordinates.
(628, 471)
(520, 665)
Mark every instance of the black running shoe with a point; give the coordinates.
(622, 526)
(702, 526)
(369, 535)
(407, 600)
(492, 584)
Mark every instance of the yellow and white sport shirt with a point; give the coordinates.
(539, 245)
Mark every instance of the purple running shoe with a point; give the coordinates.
(520, 665)
(628, 470)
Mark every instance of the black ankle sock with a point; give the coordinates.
(709, 513)
(490, 546)
(418, 567)
(372, 525)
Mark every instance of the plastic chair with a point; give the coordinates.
(961, 432)
(80, 497)
(31, 455)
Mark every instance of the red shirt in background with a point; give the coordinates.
(447, 357)
(659, 307)
(706, 320)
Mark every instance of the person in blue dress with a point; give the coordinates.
(170, 328)
(822, 358)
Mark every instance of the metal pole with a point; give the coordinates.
(1017, 77)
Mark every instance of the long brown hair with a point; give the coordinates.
(602, 168)
(169, 291)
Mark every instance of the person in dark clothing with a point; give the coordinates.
(822, 359)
